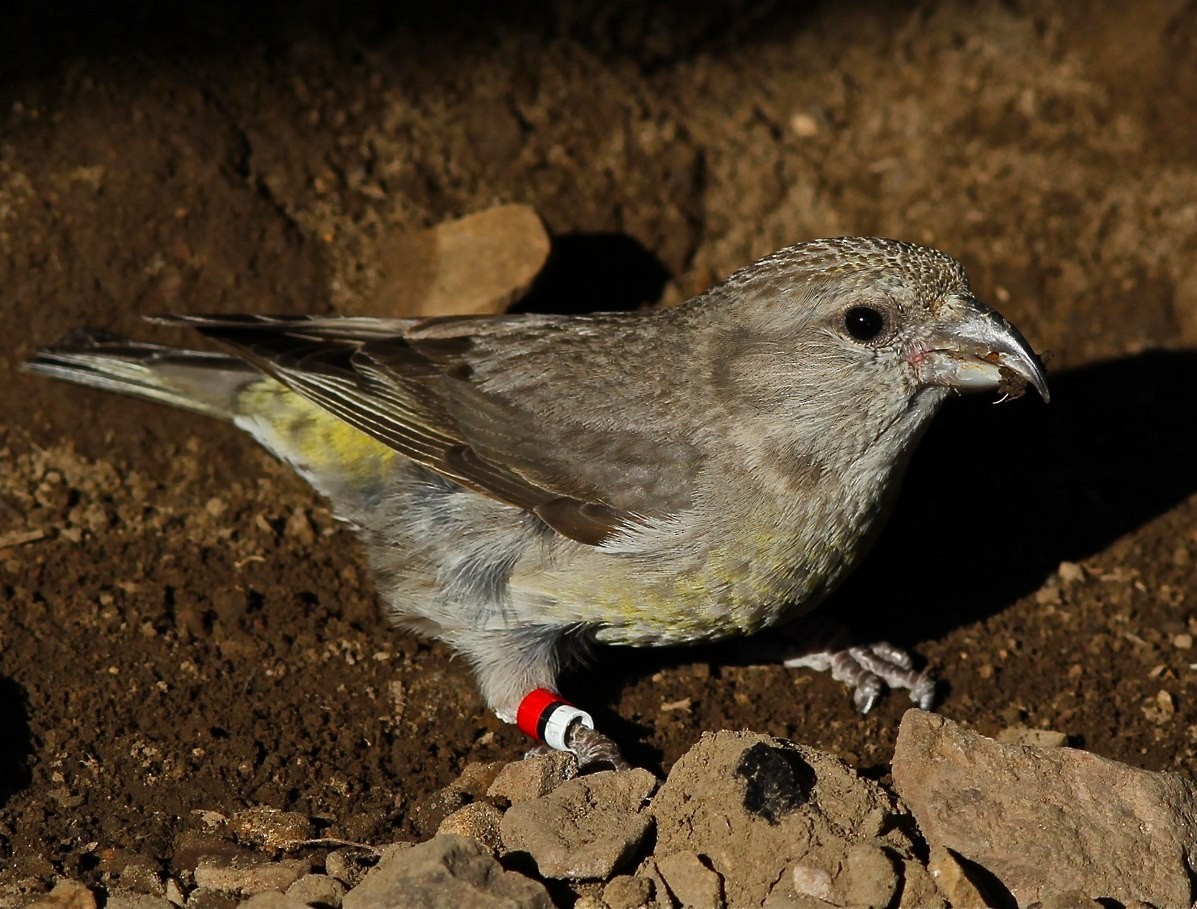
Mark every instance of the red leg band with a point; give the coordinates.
(534, 708)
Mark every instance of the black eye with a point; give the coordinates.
(864, 323)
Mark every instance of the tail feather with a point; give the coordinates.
(194, 380)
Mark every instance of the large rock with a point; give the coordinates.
(475, 265)
(776, 821)
(1046, 821)
(587, 827)
(447, 872)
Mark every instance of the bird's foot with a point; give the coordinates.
(867, 669)
(594, 750)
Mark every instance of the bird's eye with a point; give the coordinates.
(864, 323)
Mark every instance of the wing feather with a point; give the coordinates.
(410, 392)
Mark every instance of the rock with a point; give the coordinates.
(318, 890)
(868, 879)
(662, 898)
(694, 884)
(350, 865)
(626, 891)
(1041, 820)
(66, 895)
(813, 881)
(270, 827)
(476, 778)
(447, 872)
(141, 877)
(756, 807)
(479, 820)
(271, 900)
(588, 827)
(533, 777)
(955, 882)
(247, 877)
(207, 898)
(174, 893)
(127, 899)
(918, 888)
(476, 265)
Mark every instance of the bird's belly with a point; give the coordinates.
(722, 594)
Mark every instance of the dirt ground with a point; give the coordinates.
(186, 628)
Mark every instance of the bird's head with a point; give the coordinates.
(841, 341)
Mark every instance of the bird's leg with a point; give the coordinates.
(867, 669)
(517, 673)
(547, 717)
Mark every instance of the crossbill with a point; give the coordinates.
(525, 485)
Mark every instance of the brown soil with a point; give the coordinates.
(187, 629)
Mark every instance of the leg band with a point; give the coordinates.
(546, 716)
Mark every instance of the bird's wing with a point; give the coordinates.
(468, 398)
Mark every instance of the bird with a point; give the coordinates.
(527, 486)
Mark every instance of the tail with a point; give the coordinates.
(340, 461)
(195, 380)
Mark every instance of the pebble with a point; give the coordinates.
(586, 828)
(238, 876)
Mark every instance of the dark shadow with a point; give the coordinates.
(996, 498)
(595, 273)
(16, 740)
(39, 39)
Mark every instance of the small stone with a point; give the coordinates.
(271, 828)
(662, 898)
(479, 820)
(174, 893)
(871, 878)
(349, 865)
(66, 895)
(952, 879)
(627, 891)
(476, 777)
(533, 777)
(1182, 641)
(239, 876)
(127, 899)
(445, 873)
(694, 884)
(1048, 596)
(320, 890)
(205, 898)
(918, 888)
(140, 877)
(804, 125)
(1070, 572)
(811, 880)
(586, 828)
(271, 900)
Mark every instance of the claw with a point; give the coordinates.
(593, 748)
